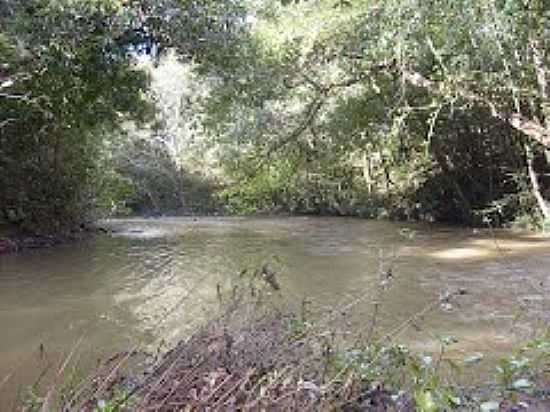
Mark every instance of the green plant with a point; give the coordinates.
(117, 403)
(519, 372)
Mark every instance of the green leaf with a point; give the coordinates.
(448, 340)
(473, 358)
(425, 401)
(521, 384)
(519, 363)
(489, 406)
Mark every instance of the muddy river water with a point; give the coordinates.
(156, 279)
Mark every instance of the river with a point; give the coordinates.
(154, 280)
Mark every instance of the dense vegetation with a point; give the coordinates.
(434, 110)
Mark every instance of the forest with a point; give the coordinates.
(421, 110)
(359, 151)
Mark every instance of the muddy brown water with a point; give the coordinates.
(154, 280)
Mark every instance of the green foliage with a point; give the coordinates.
(430, 379)
(431, 393)
(416, 91)
(518, 372)
(118, 403)
(399, 370)
(389, 108)
(114, 190)
(261, 191)
(65, 90)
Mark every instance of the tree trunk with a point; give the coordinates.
(367, 172)
(535, 187)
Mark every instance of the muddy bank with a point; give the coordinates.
(14, 240)
(17, 244)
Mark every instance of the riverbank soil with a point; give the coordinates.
(13, 239)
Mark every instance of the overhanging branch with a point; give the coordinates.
(322, 93)
(529, 128)
(312, 111)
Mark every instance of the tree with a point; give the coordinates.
(431, 109)
(65, 85)
(386, 82)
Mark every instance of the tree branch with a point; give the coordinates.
(4, 123)
(14, 96)
(529, 128)
(535, 187)
(312, 111)
(323, 91)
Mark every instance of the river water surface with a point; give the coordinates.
(156, 279)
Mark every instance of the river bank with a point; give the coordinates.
(14, 240)
(210, 372)
(256, 357)
(19, 243)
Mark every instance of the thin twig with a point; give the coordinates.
(46, 402)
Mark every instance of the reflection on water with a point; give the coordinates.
(157, 278)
